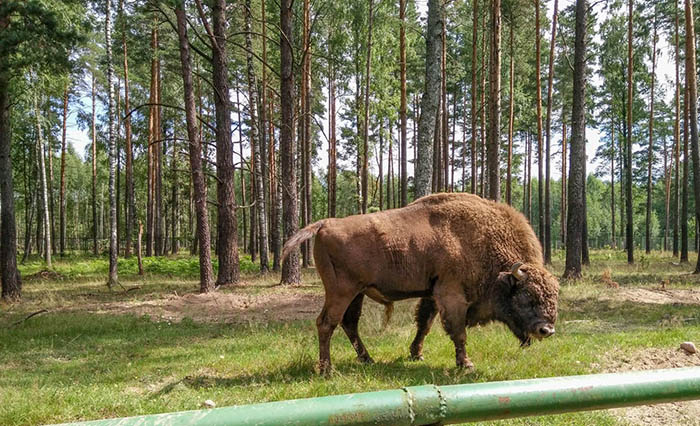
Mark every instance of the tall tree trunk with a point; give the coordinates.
(175, 201)
(402, 109)
(291, 273)
(690, 80)
(494, 142)
(227, 224)
(684, 201)
(365, 127)
(528, 192)
(150, 151)
(444, 117)
(676, 138)
(380, 162)
(130, 212)
(667, 195)
(564, 197)
(482, 125)
(612, 182)
(548, 135)
(540, 154)
(206, 281)
(332, 161)
(430, 101)
(94, 167)
(257, 148)
(628, 184)
(650, 159)
(576, 192)
(241, 173)
(62, 194)
(306, 130)
(41, 144)
(511, 115)
(474, 89)
(112, 280)
(9, 275)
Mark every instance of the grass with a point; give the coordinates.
(69, 364)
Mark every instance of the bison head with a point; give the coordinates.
(528, 301)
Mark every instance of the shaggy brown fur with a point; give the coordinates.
(455, 251)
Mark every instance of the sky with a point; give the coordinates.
(80, 139)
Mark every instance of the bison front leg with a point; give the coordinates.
(350, 321)
(425, 315)
(453, 312)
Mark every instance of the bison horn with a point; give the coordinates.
(517, 273)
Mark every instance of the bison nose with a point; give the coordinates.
(546, 331)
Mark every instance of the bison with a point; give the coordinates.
(469, 259)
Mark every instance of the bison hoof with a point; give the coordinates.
(465, 365)
(416, 357)
(324, 368)
(365, 359)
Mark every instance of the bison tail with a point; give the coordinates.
(388, 312)
(301, 236)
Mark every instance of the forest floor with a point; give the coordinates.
(155, 345)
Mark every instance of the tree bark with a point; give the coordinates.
(576, 192)
(62, 193)
(112, 279)
(628, 185)
(227, 224)
(257, 148)
(44, 191)
(684, 195)
(9, 275)
(612, 182)
(365, 127)
(130, 213)
(548, 135)
(494, 143)
(540, 154)
(474, 90)
(403, 107)
(429, 102)
(291, 273)
(676, 137)
(690, 76)
(511, 116)
(94, 167)
(206, 282)
(332, 161)
(650, 159)
(564, 197)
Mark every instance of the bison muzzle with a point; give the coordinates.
(471, 260)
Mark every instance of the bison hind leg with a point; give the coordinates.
(351, 319)
(425, 315)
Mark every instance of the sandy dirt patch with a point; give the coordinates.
(285, 304)
(677, 413)
(655, 295)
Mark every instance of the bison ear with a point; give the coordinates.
(508, 282)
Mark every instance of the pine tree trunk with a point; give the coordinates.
(548, 135)
(365, 127)
(612, 182)
(564, 197)
(130, 212)
(511, 116)
(690, 76)
(540, 139)
(206, 275)
(9, 275)
(62, 194)
(430, 101)
(241, 173)
(650, 158)
(474, 90)
(676, 138)
(94, 168)
(291, 273)
(44, 190)
(257, 148)
(150, 181)
(227, 224)
(112, 280)
(306, 131)
(332, 168)
(444, 132)
(482, 108)
(685, 193)
(402, 110)
(628, 185)
(667, 195)
(494, 143)
(576, 192)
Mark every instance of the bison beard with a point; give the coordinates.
(471, 260)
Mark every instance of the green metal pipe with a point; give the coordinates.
(429, 404)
